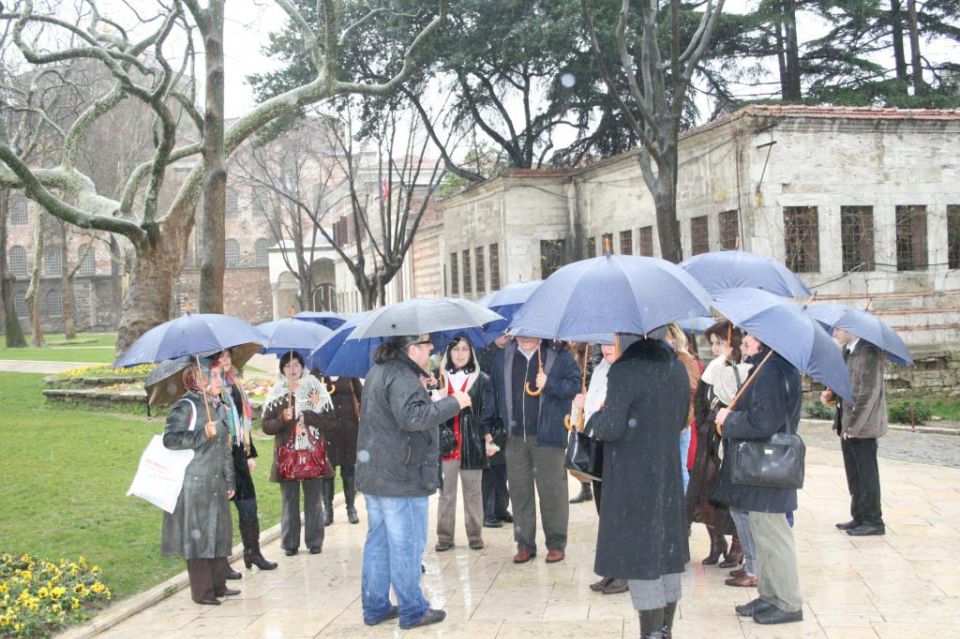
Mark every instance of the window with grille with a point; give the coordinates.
(856, 238)
(231, 208)
(494, 267)
(232, 253)
(18, 210)
(699, 235)
(53, 303)
(626, 242)
(467, 281)
(590, 247)
(454, 275)
(481, 280)
(911, 238)
(88, 261)
(18, 262)
(953, 236)
(20, 303)
(646, 241)
(52, 264)
(801, 238)
(551, 256)
(260, 251)
(729, 230)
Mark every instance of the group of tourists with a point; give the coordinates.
(493, 422)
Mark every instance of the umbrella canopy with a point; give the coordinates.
(722, 270)
(338, 356)
(293, 335)
(325, 318)
(164, 384)
(864, 325)
(507, 301)
(422, 315)
(786, 328)
(590, 300)
(188, 335)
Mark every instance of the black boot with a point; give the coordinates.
(651, 624)
(233, 574)
(669, 611)
(327, 491)
(586, 494)
(718, 546)
(734, 556)
(349, 495)
(250, 533)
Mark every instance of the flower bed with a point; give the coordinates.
(38, 597)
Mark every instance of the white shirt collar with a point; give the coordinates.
(525, 354)
(852, 345)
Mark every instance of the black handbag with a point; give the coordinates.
(777, 462)
(584, 456)
(448, 441)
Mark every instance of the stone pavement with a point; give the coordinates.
(900, 585)
(46, 368)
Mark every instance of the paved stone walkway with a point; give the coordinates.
(902, 585)
(46, 368)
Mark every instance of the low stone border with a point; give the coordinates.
(123, 610)
(919, 428)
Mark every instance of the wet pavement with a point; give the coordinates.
(903, 445)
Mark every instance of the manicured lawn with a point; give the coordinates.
(64, 491)
(88, 347)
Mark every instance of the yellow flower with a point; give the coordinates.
(74, 604)
(17, 627)
(95, 570)
(43, 592)
(98, 587)
(26, 575)
(55, 608)
(4, 587)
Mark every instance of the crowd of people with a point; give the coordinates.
(493, 425)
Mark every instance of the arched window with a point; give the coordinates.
(52, 265)
(18, 262)
(260, 250)
(20, 303)
(54, 303)
(18, 210)
(232, 251)
(231, 207)
(88, 266)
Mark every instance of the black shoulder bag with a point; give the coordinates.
(776, 462)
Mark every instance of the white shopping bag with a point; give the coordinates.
(159, 477)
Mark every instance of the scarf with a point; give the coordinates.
(241, 416)
(311, 394)
(597, 392)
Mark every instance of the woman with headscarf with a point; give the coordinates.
(298, 408)
(200, 528)
(244, 453)
(471, 427)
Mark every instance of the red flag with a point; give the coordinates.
(385, 189)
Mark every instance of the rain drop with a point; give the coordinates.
(568, 80)
(632, 422)
(171, 388)
(363, 456)
(195, 534)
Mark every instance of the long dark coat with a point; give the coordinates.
(244, 481)
(643, 531)
(200, 526)
(342, 440)
(706, 467)
(769, 405)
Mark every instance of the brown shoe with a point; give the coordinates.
(746, 581)
(738, 573)
(553, 556)
(523, 556)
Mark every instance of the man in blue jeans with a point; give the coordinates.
(398, 468)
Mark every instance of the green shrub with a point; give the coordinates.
(818, 410)
(900, 411)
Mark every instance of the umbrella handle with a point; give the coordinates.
(535, 392)
(203, 390)
(331, 389)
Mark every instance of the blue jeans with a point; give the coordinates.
(684, 450)
(741, 519)
(392, 555)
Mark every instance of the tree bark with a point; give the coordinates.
(896, 29)
(33, 290)
(791, 87)
(66, 286)
(665, 203)
(13, 332)
(919, 88)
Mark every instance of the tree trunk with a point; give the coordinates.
(665, 202)
(149, 298)
(919, 88)
(13, 333)
(791, 88)
(212, 238)
(33, 291)
(896, 29)
(369, 297)
(66, 286)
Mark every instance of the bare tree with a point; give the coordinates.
(142, 72)
(13, 333)
(650, 88)
(33, 289)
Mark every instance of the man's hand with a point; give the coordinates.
(463, 399)
(826, 396)
(541, 380)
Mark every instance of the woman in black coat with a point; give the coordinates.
(345, 393)
(770, 404)
(643, 531)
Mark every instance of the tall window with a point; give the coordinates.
(232, 253)
(590, 247)
(467, 278)
(856, 237)
(551, 256)
(911, 238)
(53, 303)
(646, 241)
(454, 275)
(801, 238)
(20, 303)
(88, 265)
(18, 210)
(52, 264)
(481, 276)
(260, 251)
(729, 230)
(18, 262)
(699, 235)
(953, 236)
(626, 242)
(494, 267)
(231, 208)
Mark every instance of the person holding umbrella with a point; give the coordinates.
(200, 528)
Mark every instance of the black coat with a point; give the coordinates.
(342, 440)
(245, 489)
(643, 531)
(769, 405)
(476, 421)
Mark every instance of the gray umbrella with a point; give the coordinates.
(423, 315)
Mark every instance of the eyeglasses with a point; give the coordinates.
(425, 342)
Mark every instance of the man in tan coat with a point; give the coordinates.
(860, 425)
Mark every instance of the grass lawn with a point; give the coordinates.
(67, 473)
(88, 347)
(948, 410)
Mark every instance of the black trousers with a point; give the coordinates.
(493, 486)
(863, 479)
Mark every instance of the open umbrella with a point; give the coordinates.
(783, 326)
(590, 300)
(325, 318)
(189, 335)
(338, 356)
(164, 384)
(293, 335)
(506, 302)
(722, 270)
(422, 315)
(864, 325)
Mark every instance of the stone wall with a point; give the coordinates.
(246, 293)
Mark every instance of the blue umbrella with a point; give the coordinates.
(325, 318)
(189, 335)
(590, 300)
(724, 270)
(293, 334)
(783, 326)
(864, 325)
(506, 302)
(339, 356)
